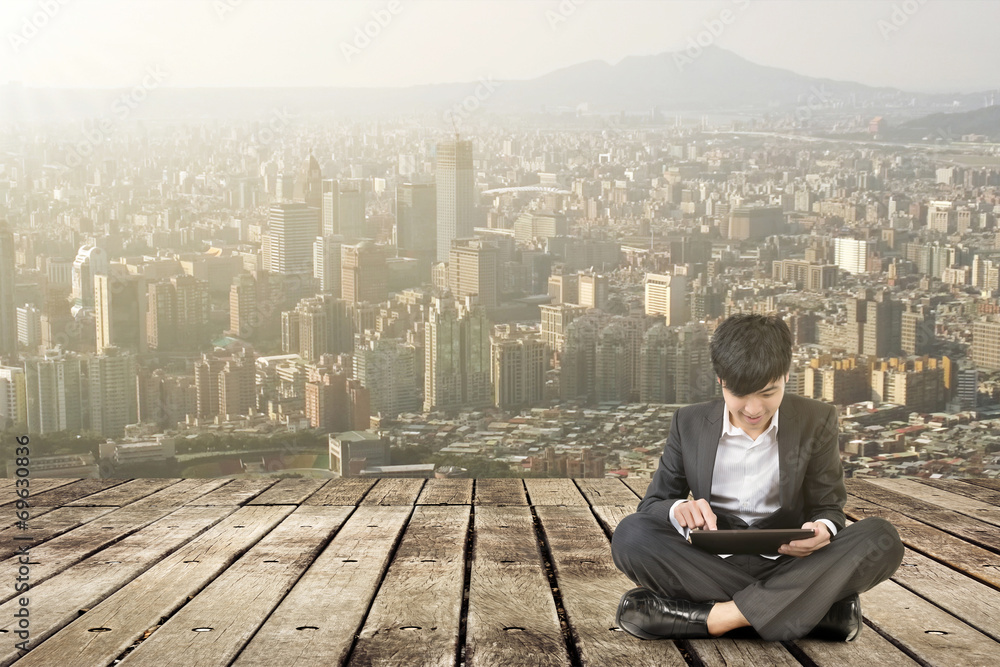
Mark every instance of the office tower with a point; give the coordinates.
(54, 392)
(986, 344)
(326, 263)
(293, 228)
(695, 377)
(237, 387)
(611, 374)
(364, 275)
(113, 393)
(565, 288)
(330, 207)
(456, 359)
(851, 255)
(318, 325)
(877, 323)
(351, 212)
(667, 295)
(842, 381)
(29, 326)
(917, 330)
(804, 275)
(90, 261)
(120, 304)
(8, 316)
(455, 194)
(243, 318)
(917, 383)
(555, 321)
(13, 401)
(386, 367)
(577, 379)
(518, 369)
(593, 290)
(178, 314)
(416, 224)
(968, 388)
(308, 185)
(756, 222)
(942, 217)
(532, 225)
(473, 270)
(658, 361)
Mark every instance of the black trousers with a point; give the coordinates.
(783, 598)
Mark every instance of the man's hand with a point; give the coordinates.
(695, 514)
(800, 548)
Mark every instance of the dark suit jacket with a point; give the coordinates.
(811, 476)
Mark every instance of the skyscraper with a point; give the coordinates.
(293, 228)
(54, 392)
(386, 367)
(120, 303)
(518, 369)
(364, 276)
(89, 262)
(8, 316)
(667, 295)
(416, 223)
(456, 359)
(326, 263)
(178, 313)
(351, 212)
(113, 393)
(308, 185)
(455, 194)
(13, 405)
(330, 207)
(473, 269)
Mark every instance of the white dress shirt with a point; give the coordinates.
(745, 477)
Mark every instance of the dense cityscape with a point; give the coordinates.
(478, 293)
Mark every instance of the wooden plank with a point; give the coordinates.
(238, 601)
(180, 493)
(58, 602)
(288, 492)
(726, 652)
(590, 587)
(960, 487)
(61, 552)
(607, 492)
(341, 491)
(638, 484)
(554, 491)
(955, 552)
(36, 487)
(511, 612)
(67, 493)
(870, 649)
(51, 524)
(394, 491)
(969, 529)
(991, 484)
(945, 499)
(446, 492)
(123, 494)
(500, 492)
(415, 617)
(319, 618)
(931, 634)
(236, 492)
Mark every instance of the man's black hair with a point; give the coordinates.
(751, 351)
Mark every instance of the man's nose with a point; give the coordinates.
(754, 406)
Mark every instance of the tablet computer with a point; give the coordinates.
(748, 541)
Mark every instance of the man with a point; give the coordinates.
(757, 459)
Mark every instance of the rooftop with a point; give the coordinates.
(436, 572)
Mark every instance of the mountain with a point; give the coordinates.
(949, 126)
(712, 81)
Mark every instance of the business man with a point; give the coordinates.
(759, 458)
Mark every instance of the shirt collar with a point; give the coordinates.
(729, 429)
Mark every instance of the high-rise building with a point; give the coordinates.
(917, 383)
(555, 320)
(386, 367)
(292, 228)
(455, 194)
(120, 303)
(178, 313)
(326, 263)
(917, 330)
(456, 359)
(667, 295)
(318, 325)
(518, 369)
(330, 207)
(351, 212)
(986, 344)
(593, 290)
(877, 323)
(756, 222)
(29, 326)
(564, 288)
(473, 270)
(841, 381)
(851, 255)
(532, 225)
(164, 399)
(112, 392)
(8, 273)
(308, 185)
(416, 224)
(611, 376)
(364, 276)
(89, 262)
(657, 376)
(335, 404)
(55, 392)
(577, 378)
(13, 400)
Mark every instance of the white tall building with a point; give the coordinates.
(90, 261)
(293, 229)
(387, 369)
(851, 255)
(113, 394)
(326, 263)
(29, 326)
(455, 194)
(54, 392)
(667, 295)
(13, 408)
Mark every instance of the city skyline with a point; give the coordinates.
(81, 44)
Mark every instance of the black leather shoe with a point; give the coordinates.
(842, 623)
(647, 615)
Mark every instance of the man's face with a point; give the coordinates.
(753, 412)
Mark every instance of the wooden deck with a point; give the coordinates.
(435, 572)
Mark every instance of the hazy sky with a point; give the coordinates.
(939, 45)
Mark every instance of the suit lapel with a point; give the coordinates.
(789, 444)
(708, 447)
